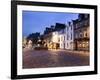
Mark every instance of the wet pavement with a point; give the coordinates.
(54, 58)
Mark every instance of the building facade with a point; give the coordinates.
(81, 32)
(62, 38)
(53, 37)
(69, 38)
(74, 35)
(55, 40)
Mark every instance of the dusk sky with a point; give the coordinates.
(37, 21)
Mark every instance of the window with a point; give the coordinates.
(81, 35)
(85, 34)
(67, 36)
(86, 22)
(61, 38)
(71, 44)
(76, 35)
(64, 38)
(67, 28)
(79, 45)
(86, 15)
(71, 27)
(64, 45)
(71, 36)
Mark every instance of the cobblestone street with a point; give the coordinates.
(54, 58)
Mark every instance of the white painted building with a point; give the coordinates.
(69, 41)
(58, 37)
(62, 39)
(55, 37)
(67, 37)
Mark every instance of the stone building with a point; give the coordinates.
(81, 32)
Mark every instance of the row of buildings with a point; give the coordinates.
(73, 35)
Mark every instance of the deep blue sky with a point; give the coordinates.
(37, 21)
